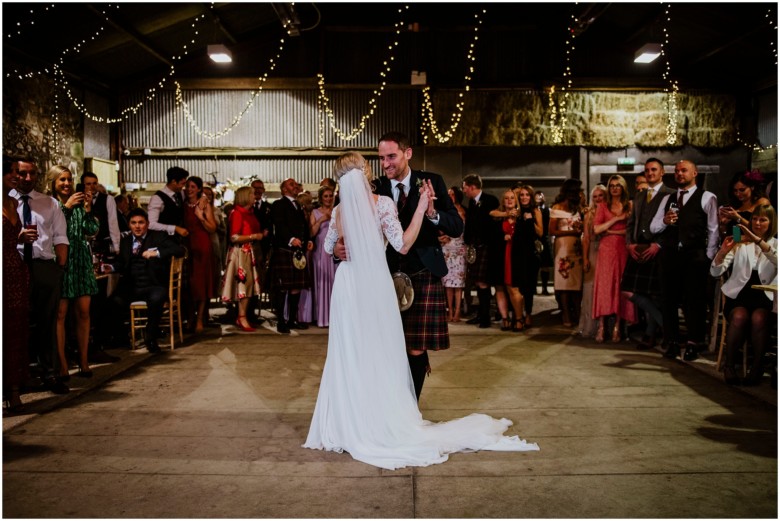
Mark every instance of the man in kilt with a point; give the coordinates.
(480, 234)
(291, 239)
(425, 322)
(642, 274)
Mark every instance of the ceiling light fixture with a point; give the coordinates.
(219, 53)
(648, 53)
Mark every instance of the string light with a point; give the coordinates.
(31, 21)
(773, 24)
(558, 113)
(672, 89)
(323, 102)
(237, 119)
(428, 120)
(753, 146)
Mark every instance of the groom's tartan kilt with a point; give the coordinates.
(425, 322)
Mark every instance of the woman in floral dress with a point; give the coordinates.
(566, 227)
(78, 283)
(454, 250)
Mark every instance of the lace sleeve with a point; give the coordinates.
(388, 219)
(333, 234)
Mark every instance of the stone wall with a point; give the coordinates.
(593, 119)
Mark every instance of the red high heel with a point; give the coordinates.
(242, 327)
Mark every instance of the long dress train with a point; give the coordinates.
(366, 403)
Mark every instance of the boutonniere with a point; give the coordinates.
(479, 203)
(419, 182)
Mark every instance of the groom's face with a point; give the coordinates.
(394, 161)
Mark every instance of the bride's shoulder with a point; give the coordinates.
(384, 202)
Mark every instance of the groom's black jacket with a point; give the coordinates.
(426, 251)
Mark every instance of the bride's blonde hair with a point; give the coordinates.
(350, 161)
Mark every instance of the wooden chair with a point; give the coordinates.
(138, 309)
(724, 324)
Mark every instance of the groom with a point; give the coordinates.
(425, 322)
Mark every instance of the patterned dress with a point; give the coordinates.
(241, 280)
(568, 253)
(16, 308)
(455, 257)
(79, 279)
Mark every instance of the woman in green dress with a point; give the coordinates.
(78, 283)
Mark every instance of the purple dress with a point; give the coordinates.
(324, 273)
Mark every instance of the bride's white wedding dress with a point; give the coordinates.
(366, 403)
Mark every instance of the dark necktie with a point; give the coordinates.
(27, 220)
(138, 243)
(178, 199)
(649, 196)
(401, 197)
(680, 198)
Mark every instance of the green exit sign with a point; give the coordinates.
(623, 161)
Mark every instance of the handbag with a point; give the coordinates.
(538, 247)
(404, 291)
(471, 254)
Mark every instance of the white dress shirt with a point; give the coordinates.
(50, 221)
(709, 203)
(155, 207)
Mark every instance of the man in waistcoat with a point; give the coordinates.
(166, 206)
(104, 208)
(291, 239)
(689, 241)
(641, 276)
(144, 262)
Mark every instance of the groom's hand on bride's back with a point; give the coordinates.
(340, 250)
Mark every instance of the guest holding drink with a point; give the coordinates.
(79, 283)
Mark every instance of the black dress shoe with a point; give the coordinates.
(473, 321)
(55, 385)
(298, 325)
(691, 353)
(152, 346)
(282, 327)
(672, 351)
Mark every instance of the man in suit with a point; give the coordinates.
(425, 322)
(104, 208)
(689, 241)
(481, 230)
(641, 276)
(262, 249)
(144, 263)
(291, 238)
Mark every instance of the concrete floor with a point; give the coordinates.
(214, 429)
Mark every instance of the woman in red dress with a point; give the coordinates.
(610, 224)
(201, 263)
(506, 213)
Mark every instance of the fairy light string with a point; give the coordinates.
(428, 118)
(323, 102)
(672, 89)
(558, 111)
(236, 119)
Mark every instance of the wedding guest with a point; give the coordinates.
(202, 268)
(324, 267)
(753, 261)
(219, 237)
(525, 255)
(545, 257)
(44, 247)
(746, 191)
(16, 295)
(240, 281)
(483, 234)
(78, 283)
(610, 224)
(166, 206)
(306, 302)
(454, 250)
(262, 248)
(506, 216)
(104, 210)
(566, 227)
(122, 204)
(590, 247)
(642, 278)
(689, 241)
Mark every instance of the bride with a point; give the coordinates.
(366, 403)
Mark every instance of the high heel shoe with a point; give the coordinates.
(505, 325)
(517, 326)
(600, 334)
(616, 334)
(242, 327)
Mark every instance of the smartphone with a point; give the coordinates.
(80, 187)
(736, 232)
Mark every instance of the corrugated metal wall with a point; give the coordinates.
(277, 119)
(767, 119)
